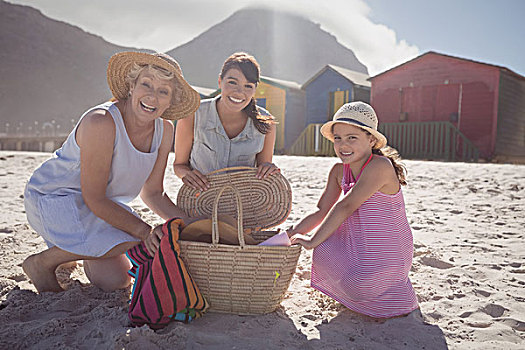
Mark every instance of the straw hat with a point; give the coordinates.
(358, 114)
(185, 100)
(200, 231)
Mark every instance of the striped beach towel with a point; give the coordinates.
(163, 289)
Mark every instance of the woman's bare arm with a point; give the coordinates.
(181, 164)
(95, 136)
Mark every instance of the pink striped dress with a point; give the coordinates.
(364, 265)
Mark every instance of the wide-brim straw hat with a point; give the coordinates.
(185, 99)
(358, 114)
(200, 231)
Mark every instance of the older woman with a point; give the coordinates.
(77, 200)
(228, 130)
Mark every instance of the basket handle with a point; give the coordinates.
(233, 168)
(215, 215)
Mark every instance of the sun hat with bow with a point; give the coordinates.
(358, 114)
(185, 100)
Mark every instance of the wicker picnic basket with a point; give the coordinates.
(243, 279)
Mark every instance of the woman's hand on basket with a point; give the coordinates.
(196, 180)
(152, 242)
(266, 169)
(304, 240)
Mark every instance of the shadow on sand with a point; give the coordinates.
(363, 332)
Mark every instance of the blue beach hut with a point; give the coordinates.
(330, 88)
(325, 92)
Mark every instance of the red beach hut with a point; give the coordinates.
(438, 103)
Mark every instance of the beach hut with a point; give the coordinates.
(325, 92)
(330, 88)
(286, 102)
(438, 103)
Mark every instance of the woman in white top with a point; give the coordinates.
(229, 130)
(77, 200)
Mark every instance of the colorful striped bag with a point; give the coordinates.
(163, 289)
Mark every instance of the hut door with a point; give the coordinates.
(429, 103)
(337, 99)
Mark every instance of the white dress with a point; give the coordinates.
(53, 199)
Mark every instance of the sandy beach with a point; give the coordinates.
(468, 222)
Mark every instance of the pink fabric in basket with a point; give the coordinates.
(280, 239)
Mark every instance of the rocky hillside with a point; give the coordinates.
(49, 69)
(287, 47)
(52, 70)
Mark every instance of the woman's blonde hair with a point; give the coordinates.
(158, 72)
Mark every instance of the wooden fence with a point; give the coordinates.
(413, 140)
(31, 143)
(312, 143)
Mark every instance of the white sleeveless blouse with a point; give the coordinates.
(53, 199)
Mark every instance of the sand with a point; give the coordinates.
(468, 222)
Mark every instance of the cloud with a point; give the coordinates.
(374, 44)
(165, 24)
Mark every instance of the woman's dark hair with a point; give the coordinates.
(248, 65)
(395, 158)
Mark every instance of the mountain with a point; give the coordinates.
(52, 70)
(286, 46)
(49, 69)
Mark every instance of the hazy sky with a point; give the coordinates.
(382, 33)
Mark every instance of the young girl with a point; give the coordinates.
(363, 246)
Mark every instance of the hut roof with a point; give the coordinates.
(285, 84)
(449, 56)
(356, 78)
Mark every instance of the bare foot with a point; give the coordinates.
(44, 279)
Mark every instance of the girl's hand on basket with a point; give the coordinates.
(152, 242)
(304, 240)
(266, 169)
(196, 180)
(290, 231)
